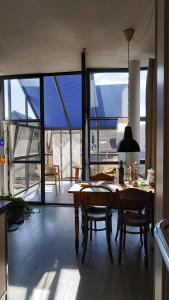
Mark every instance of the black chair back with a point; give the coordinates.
(135, 199)
(95, 196)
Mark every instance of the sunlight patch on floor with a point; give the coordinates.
(63, 288)
(42, 290)
(68, 284)
(21, 292)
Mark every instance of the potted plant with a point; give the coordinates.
(19, 210)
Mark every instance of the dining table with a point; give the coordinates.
(75, 190)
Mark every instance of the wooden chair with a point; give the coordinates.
(93, 213)
(117, 230)
(56, 170)
(135, 210)
(101, 177)
(50, 171)
(77, 171)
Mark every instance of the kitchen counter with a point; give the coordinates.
(4, 205)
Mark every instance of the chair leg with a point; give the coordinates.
(82, 224)
(111, 225)
(141, 235)
(145, 247)
(120, 241)
(85, 240)
(152, 228)
(91, 227)
(124, 237)
(117, 230)
(82, 227)
(95, 226)
(59, 180)
(108, 235)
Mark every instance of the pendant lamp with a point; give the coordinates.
(128, 144)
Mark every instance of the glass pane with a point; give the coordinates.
(77, 147)
(58, 153)
(56, 149)
(26, 143)
(108, 94)
(142, 140)
(26, 181)
(143, 78)
(6, 101)
(35, 142)
(63, 101)
(108, 169)
(65, 152)
(18, 108)
(22, 99)
(104, 139)
(31, 114)
(22, 141)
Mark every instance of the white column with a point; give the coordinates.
(134, 108)
(2, 117)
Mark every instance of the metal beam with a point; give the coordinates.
(42, 135)
(62, 101)
(85, 132)
(66, 117)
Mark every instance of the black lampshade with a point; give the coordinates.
(128, 144)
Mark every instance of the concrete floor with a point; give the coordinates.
(43, 264)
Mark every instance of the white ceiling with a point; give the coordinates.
(39, 36)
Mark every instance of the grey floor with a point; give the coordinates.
(52, 195)
(43, 264)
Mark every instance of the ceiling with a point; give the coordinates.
(40, 36)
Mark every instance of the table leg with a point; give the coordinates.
(152, 221)
(76, 174)
(76, 229)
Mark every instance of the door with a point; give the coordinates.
(23, 135)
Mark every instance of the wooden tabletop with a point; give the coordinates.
(113, 186)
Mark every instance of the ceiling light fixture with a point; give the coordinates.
(128, 144)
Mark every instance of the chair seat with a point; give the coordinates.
(133, 218)
(97, 213)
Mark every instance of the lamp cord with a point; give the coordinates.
(128, 79)
(147, 25)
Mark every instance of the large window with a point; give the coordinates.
(108, 118)
(62, 123)
(143, 78)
